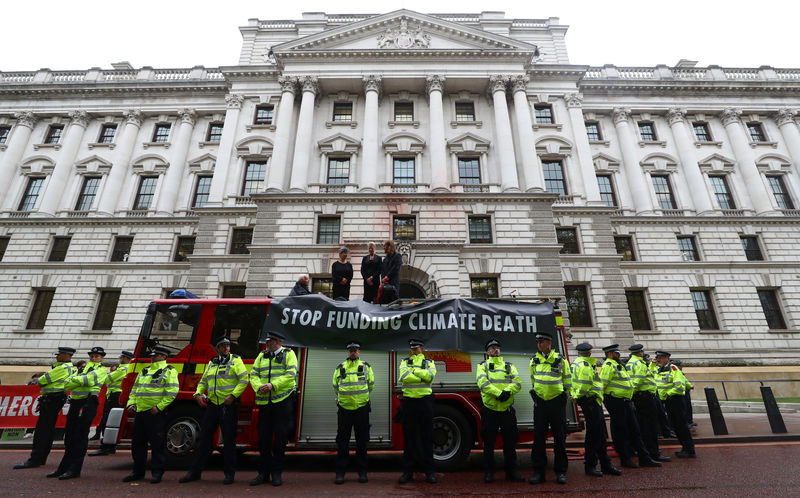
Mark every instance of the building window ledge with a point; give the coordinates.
(392, 124)
(96, 332)
(107, 145)
(709, 331)
(156, 144)
(252, 127)
(604, 143)
(28, 331)
(331, 124)
(46, 146)
(715, 144)
(545, 126)
(784, 331)
(659, 143)
(646, 332)
(206, 143)
(456, 124)
(774, 145)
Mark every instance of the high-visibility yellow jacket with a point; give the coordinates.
(550, 376)
(156, 385)
(671, 381)
(116, 377)
(222, 378)
(495, 376)
(641, 377)
(416, 376)
(279, 369)
(615, 380)
(53, 381)
(585, 379)
(86, 381)
(352, 382)
(653, 367)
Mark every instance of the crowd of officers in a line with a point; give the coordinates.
(637, 394)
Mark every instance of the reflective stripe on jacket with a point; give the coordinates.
(279, 369)
(550, 376)
(156, 385)
(615, 379)
(224, 378)
(352, 382)
(53, 381)
(585, 379)
(116, 377)
(416, 376)
(641, 377)
(494, 376)
(87, 381)
(671, 382)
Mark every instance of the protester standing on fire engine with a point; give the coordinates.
(416, 378)
(390, 273)
(371, 273)
(113, 392)
(342, 275)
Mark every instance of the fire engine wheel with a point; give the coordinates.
(183, 435)
(452, 438)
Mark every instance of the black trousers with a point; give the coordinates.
(371, 293)
(275, 422)
(112, 401)
(646, 404)
(675, 409)
(352, 421)
(550, 413)
(418, 433)
(152, 429)
(49, 408)
(687, 399)
(625, 428)
(76, 433)
(594, 446)
(506, 421)
(226, 417)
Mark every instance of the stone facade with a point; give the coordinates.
(333, 128)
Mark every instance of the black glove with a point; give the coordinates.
(504, 396)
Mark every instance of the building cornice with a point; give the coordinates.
(103, 221)
(705, 220)
(373, 198)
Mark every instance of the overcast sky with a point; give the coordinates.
(80, 34)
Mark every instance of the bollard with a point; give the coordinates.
(773, 414)
(715, 412)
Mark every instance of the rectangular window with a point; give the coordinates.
(568, 238)
(240, 239)
(214, 132)
(328, 230)
(637, 307)
(342, 112)
(772, 309)
(701, 131)
(607, 194)
(483, 287)
(31, 194)
(254, 178)
(593, 131)
(3, 246)
(465, 111)
(404, 228)
(543, 114)
(624, 246)
(704, 309)
(323, 285)
(469, 170)
(107, 133)
(54, 133)
(122, 248)
(234, 291)
(647, 131)
(778, 190)
(756, 132)
(338, 170)
(145, 194)
(41, 307)
(578, 306)
(719, 184)
(4, 132)
(554, 182)
(59, 250)
(161, 133)
(404, 111)
(201, 191)
(403, 172)
(663, 191)
(688, 248)
(88, 193)
(264, 115)
(106, 309)
(184, 248)
(752, 251)
(480, 229)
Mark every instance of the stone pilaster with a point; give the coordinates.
(745, 159)
(302, 144)
(686, 151)
(785, 118)
(640, 191)
(583, 151)
(534, 180)
(168, 194)
(509, 180)
(26, 121)
(219, 181)
(52, 196)
(370, 162)
(437, 147)
(111, 197)
(279, 166)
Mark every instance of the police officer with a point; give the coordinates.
(671, 387)
(645, 399)
(416, 377)
(353, 380)
(155, 389)
(51, 401)
(114, 384)
(617, 394)
(224, 380)
(588, 392)
(687, 397)
(498, 381)
(552, 381)
(85, 386)
(274, 380)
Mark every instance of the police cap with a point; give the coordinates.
(611, 348)
(222, 340)
(540, 336)
(490, 343)
(126, 354)
(415, 343)
(635, 348)
(98, 350)
(583, 347)
(353, 345)
(65, 350)
(160, 350)
(663, 353)
(275, 336)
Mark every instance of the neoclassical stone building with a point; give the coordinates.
(659, 203)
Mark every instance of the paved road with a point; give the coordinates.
(760, 469)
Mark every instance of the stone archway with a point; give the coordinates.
(415, 283)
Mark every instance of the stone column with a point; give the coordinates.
(686, 151)
(168, 194)
(437, 148)
(302, 144)
(26, 121)
(111, 197)
(219, 182)
(583, 151)
(640, 191)
(746, 161)
(534, 180)
(509, 180)
(51, 197)
(370, 162)
(276, 174)
(785, 118)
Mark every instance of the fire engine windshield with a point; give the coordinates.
(170, 325)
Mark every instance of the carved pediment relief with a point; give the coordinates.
(149, 163)
(254, 147)
(404, 142)
(716, 162)
(468, 142)
(203, 164)
(37, 165)
(93, 165)
(339, 143)
(659, 162)
(604, 162)
(553, 146)
(774, 163)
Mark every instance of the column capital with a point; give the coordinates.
(519, 83)
(785, 116)
(373, 83)
(676, 115)
(188, 116)
(574, 100)
(497, 83)
(80, 118)
(620, 114)
(434, 82)
(26, 118)
(730, 115)
(288, 84)
(234, 100)
(134, 117)
(310, 84)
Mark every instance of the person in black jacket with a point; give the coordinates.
(342, 275)
(371, 273)
(390, 273)
(301, 286)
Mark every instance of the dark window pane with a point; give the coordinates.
(647, 131)
(184, 248)
(465, 111)
(264, 115)
(638, 310)
(663, 191)
(606, 190)
(122, 248)
(328, 230)
(161, 133)
(688, 249)
(404, 111)
(772, 310)
(41, 307)
(469, 170)
(702, 132)
(723, 194)
(240, 239)
(593, 130)
(254, 176)
(147, 190)
(554, 177)
(704, 309)
(4, 132)
(54, 134)
(88, 193)
(214, 132)
(323, 285)
(342, 111)
(543, 114)
(106, 310)
(338, 170)
(3, 246)
(756, 132)
(480, 229)
(624, 246)
(234, 291)
(59, 250)
(31, 194)
(403, 170)
(202, 191)
(752, 251)
(107, 133)
(404, 228)
(568, 238)
(578, 306)
(778, 190)
(484, 287)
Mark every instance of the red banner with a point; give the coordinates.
(19, 408)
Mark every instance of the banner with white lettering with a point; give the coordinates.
(19, 408)
(444, 324)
